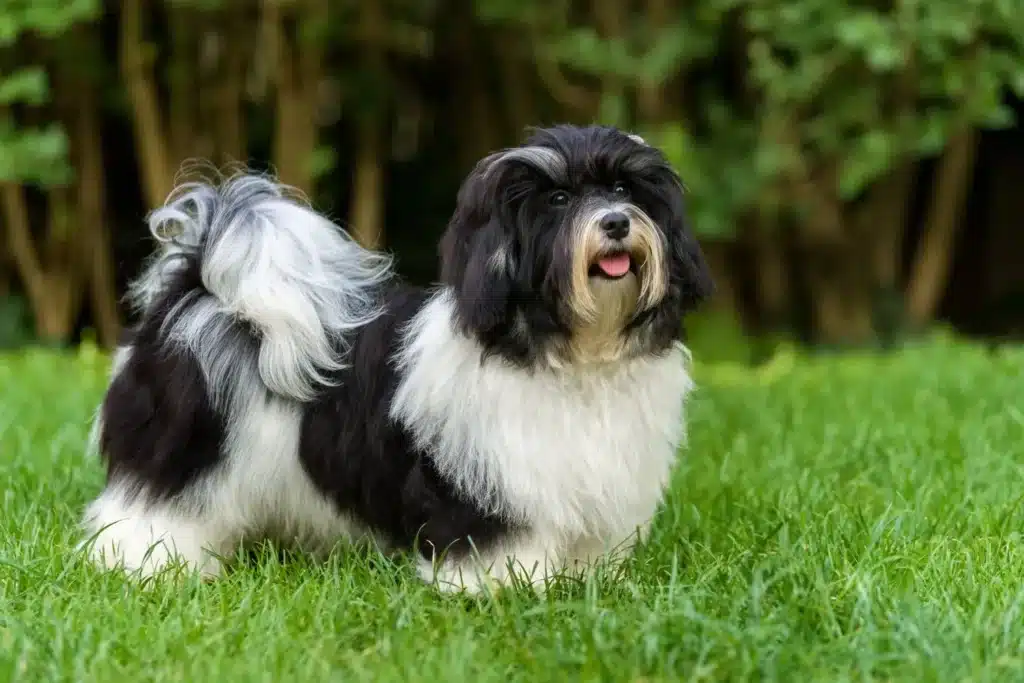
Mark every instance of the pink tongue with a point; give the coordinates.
(616, 265)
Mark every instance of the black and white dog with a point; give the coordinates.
(521, 418)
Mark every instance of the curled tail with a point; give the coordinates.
(266, 262)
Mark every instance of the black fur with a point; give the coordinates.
(367, 464)
(159, 425)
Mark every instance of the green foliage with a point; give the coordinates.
(865, 88)
(716, 169)
(36, 153)
(850, 85)
(322, 161)
(48, 18)
(648, 55)
(28, 85)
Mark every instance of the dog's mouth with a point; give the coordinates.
(613, 265)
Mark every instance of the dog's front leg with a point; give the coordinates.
(528, 558)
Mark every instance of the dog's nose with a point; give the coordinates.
(615, 225)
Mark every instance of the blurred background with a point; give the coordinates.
(855, 168)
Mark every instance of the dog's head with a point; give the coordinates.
(573, 248)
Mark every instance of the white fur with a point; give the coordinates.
(533, 558)
(580, 456)
(272, 260)
(527, 556)
(261, 490)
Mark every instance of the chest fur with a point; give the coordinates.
(582, 453)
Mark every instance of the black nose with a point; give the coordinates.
(615, 225)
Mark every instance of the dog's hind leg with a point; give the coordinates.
(125, 530)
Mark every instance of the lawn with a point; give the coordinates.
(834, 519)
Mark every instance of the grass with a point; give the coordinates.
(834, 519)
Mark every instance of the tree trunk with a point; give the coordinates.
(610, 18)
(150, 131)
(231, 130)
(366, 218)
(297, 71)
(519, 92)
(881, 224)
(771, 277)
(480, 136)
(51, 288)
(19, 244)
(651, 97)
(366, 211)
(93, 227)
(930, 271)
(884, 223)
(842, 301)
(844, 287)
(64, 293)
(726, 293)
(858, 296)
(184, 123)
(839, 286)
(830, 315)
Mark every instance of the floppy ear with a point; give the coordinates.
(473, 208)
(487, 283)
(479, 199)
(689, 269)
(475, 257)
(697, 283)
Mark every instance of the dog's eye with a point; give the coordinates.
(558, 198)
(620, 189)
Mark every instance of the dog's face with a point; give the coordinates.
(573, 248)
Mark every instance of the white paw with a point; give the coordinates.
(488, 571)
(144, 539)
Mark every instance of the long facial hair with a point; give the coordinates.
(601, 308)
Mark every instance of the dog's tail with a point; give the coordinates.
(264, 261)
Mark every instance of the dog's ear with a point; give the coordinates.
(477, 249)
(487, 284)
(480, 201)
(475, 255)
(473, 208)
(697, 284)
(690, 278)
(693, 270)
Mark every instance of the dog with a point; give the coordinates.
(519, 419)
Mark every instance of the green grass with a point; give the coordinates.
(834, 519)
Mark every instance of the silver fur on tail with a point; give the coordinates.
(269, 259)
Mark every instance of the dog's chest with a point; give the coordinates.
(577, 453)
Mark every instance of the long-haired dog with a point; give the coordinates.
(520, 419)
